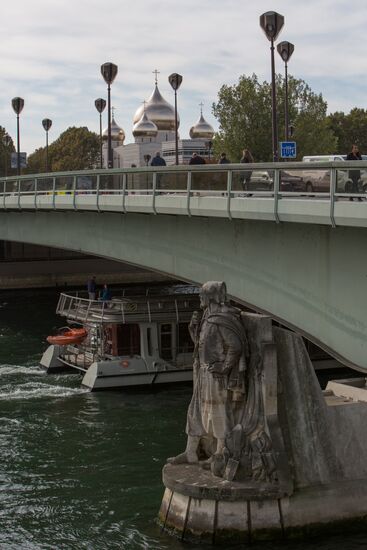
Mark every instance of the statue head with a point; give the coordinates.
(213, 292)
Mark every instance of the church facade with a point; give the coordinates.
(154, 131)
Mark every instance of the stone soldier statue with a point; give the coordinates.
(220, 356)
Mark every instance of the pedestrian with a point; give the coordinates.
(158, 160)
(196, 159)
(92, 288)
(223, 159)
(105, 294)
(354, 175)
(246, 158)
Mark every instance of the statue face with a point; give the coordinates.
(204, 299)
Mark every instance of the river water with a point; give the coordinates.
(82, 470)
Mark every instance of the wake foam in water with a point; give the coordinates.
(32, 390)
(18, 369)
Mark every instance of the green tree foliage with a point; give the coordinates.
(5, 153)
(244, 114)
(349, 129)
(75, 149)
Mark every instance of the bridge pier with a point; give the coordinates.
(319, 447)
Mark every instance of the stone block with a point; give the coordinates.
(201, 520)
(177, 513)
(265, 520)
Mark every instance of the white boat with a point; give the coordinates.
(131, 341)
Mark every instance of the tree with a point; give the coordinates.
(349, 129)
(5, 154)
(75, 149)
(244, 114)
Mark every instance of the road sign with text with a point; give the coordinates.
(288, 149)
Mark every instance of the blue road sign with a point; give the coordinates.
(288, 149)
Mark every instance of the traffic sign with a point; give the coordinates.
(288, 149)
(22, 159)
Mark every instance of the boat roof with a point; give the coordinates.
(175, 306)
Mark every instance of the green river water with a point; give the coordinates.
(82, 470)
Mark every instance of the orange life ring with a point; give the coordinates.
(72, 336)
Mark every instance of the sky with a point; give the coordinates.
(52, 50)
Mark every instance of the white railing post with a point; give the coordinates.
(229, 193)
(54, 193)
(333, 180)
(124, 182)
(97, 192)
(19, 195)
(276, 193)
(189, 179)
(35, 192)
(74, 192)
(154, 192)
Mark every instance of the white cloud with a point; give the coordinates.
(52, 51)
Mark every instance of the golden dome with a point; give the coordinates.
(117, 133)
(202, 129)
(145, 127)
(159, 111)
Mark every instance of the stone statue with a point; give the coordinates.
(225, 428)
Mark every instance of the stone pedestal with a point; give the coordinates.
(319, 447)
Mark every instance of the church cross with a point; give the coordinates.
(156, 73)
(201, 105)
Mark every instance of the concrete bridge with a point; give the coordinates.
(283, 247)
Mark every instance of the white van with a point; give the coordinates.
(323, 158)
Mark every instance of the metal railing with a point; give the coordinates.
(234, 184)
(166, 308)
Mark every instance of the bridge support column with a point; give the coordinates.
(316, 441)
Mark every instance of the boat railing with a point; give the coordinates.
(123, 310)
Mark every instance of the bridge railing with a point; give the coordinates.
(232, 186)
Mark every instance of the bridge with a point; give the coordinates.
(288, 241)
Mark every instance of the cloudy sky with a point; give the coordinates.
(51, 52)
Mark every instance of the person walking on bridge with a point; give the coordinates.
(354, 175)
(158, 160)
(92, 288)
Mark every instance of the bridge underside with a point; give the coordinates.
(310, 277)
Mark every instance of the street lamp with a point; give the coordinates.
(18, 104)
(175, 80)
(285, 50)
(47, 123)
(109, 72)
(6, 141)
(100, 106)
(272, 23)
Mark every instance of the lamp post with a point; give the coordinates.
(285, 50)
(6, 141)
(46, 123)
(175, 80)
(100, 106)
(272, 23)
(18, 104)
(109, 72)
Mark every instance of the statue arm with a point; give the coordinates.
(232, 352)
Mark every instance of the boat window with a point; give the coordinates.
(183, 338)
(122, 339)
(166, 341)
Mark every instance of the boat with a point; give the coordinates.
(137, 340)
(68, 336)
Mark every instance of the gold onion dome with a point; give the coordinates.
(117, 133)
(202, 129)
(159, 111)
(145, 127)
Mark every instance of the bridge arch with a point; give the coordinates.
(310, 277)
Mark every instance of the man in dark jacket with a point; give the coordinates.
(354, 175)
(196, 159)
(157, 160)
(223, 159)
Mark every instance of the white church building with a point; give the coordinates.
(153, 131)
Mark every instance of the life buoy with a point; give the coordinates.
(72, 336)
